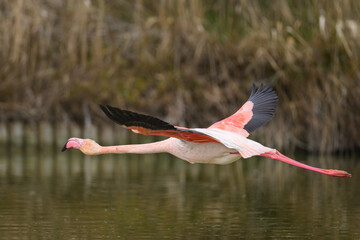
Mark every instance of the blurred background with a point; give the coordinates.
(191, 63)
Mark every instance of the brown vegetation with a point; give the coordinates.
(190, 62)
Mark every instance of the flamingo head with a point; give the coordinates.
(87, 146)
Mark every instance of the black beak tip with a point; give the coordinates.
(64, 148)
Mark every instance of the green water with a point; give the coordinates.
(53, 195)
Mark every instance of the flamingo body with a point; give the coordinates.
(211, 152)
(222, 143)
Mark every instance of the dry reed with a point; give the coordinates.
(192, 62)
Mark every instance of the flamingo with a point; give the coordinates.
(222, 143)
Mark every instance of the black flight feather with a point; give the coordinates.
(265, 101)
(132, 119)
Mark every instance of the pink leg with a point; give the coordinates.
(330, 172)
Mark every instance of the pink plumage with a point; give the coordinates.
(222, 143)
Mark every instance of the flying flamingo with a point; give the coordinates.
(222, 143)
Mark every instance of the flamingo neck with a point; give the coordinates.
(155, 147)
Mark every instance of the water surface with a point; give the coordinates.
(53, 195)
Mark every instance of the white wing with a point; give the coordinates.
(246, 147)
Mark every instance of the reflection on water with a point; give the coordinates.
(52, 195)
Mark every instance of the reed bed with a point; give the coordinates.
(189, 62)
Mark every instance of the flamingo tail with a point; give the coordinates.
(330, 172)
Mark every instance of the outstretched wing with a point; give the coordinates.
(258, 110)
(148, 125)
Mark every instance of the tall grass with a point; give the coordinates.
(190, 62)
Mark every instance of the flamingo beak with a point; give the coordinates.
(73, 143)
(64, 147)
